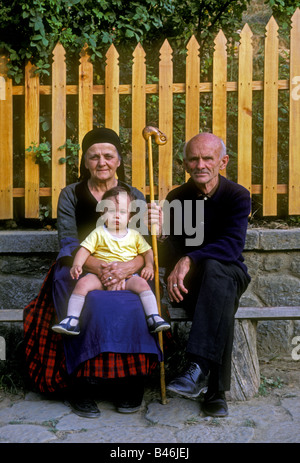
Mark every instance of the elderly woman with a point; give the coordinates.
(114, 344)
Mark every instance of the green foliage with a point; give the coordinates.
(267, 384)
(282, 11)
(71, 158)
(42, 152)
(30, 29)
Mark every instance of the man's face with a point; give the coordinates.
(203, 161)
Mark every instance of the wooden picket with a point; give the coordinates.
(138, 118)
(220, 86)
(112, 89)
(32, 135)
(165, 119)
(192, 95)
(219, 126)
(85, 96)
(6, 144)
(59, 92)
(245, 110)
(270, 120)
(294, 135)
(59, 113)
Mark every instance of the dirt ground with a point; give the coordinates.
(279, 376)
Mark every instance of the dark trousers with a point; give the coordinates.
(214, 292)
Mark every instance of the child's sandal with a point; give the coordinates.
(157, 326)
(66, 327)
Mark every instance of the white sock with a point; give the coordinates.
(75, 305)
(149, 303)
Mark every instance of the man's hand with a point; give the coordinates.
(175, 285)
(154, 218)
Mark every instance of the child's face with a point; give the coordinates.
(117, 213)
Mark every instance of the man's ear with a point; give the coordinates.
(185, 165)
(224, 162)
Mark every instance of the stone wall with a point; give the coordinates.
(272, 256)
(273, 260)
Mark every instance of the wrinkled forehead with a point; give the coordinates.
(101, 148)
(204, 144)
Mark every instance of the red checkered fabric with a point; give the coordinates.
(44, 351)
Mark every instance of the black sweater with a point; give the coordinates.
(225, 225)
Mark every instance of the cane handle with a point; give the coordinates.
(159, 137)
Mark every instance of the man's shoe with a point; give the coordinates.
(191, 383)
(86, 408)
(215, 405)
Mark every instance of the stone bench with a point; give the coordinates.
(245, 377)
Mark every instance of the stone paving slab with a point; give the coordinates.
(34, 419)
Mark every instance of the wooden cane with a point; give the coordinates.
(160, 139)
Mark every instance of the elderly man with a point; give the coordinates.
(207, 278)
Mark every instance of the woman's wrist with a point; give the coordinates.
(134, 265)
(93, 265)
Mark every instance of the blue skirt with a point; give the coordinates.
(111, 321)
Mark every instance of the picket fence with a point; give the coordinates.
(165, 88)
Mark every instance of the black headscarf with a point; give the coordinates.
(101, 135)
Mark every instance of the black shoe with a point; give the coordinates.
(86, 408)
(129, 393)
(129, 406)
(215, 404)
(191, 383)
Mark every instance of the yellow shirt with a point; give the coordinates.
(109, 248)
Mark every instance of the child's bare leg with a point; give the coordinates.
(86, 284)
(140, 286)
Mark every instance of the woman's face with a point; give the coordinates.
(102, 160)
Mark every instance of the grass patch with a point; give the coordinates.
(267, 384)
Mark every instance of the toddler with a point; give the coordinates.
(113, 241)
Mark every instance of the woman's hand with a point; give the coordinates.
(113, 273)
(117, 286)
